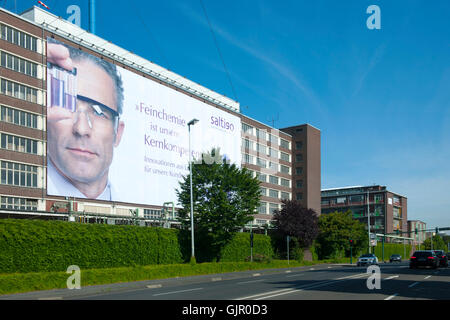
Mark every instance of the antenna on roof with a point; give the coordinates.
(273, 120)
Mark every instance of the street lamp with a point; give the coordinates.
(191, 123)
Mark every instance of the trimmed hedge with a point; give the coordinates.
(38, 246)
(392, 248)
(239, 247)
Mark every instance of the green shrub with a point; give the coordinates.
(259, 258)
(239, 247)
(38, 246)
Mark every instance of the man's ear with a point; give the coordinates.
(119, 133)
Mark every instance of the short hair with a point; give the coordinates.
(109, 68)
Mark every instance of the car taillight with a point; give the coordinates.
(413, 257)
(430, 257)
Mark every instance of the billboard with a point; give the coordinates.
(115, 135)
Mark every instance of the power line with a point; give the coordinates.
(218, 49)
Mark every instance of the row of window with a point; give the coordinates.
(155, 214)
(378, 198)
(274, 193)
(19, 117)
(18, 64)
(262, 209)
(262, 134)
(18, 91)
(18, 203)
(19, 144)
(17, 174)
(273, 179)
(263, 163)
(17, 37)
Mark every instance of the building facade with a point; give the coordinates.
(388, 210)
(417, 231)
(271, 154)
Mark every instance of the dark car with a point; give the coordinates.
(425, 258)
(443, 259)
(395, 258)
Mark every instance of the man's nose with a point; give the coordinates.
(82, 124)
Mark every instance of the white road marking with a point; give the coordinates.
(256, 274)
(288, 271)
(295, 275)
(153, 286)
(161, 294)
(412, 285)
(392, 277)
(427, 277)
(353, 276)
(250, 281)
(262, 294)
(51, 298)
(391, 297)
(216, 279)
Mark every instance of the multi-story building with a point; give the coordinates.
(417, 231)
(388, 210)
(286, 161)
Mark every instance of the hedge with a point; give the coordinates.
(239, 247)
(38, 246)
(390, 249)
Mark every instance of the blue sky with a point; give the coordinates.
(380, 97)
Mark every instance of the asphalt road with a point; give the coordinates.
(324, 282)
(320, 282)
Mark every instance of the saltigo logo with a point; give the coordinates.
(222, 123)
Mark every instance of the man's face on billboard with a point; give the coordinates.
(81, 143)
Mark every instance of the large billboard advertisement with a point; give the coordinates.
(114, 135)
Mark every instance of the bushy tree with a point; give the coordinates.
(438, 243)
(336, 229)
(297, 221)
(225, 198)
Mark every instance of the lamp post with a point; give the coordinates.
(191, 123)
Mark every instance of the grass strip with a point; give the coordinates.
(27, 282)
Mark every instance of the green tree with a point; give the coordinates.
(438, 243)
(225, 198)
(335, 231)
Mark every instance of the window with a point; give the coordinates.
(358, 198)
(273, 193)
(261, 177)
(298, 145)
(273, 180)
(261, 162)
(273, 139)
(18, 91)
(263, 191)
(18, 64)
(18, 117)
(272, 153)
(299, 196)
(284, 143)
(284, 169)
(299, 183)
(247, 128)
(261, 134)
(19, 144)
(18, 174)
(260, 148)
(284, 195)
(284, 156)
(19, 38)
(18, 203)
(246, 158)
(298, 170)
(262, 209)
(285, 182)
(273, 166)
(273, 207)
(247, 144)
(299, 157)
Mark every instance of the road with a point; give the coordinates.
(323, 282)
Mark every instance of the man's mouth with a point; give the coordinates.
(82, 152)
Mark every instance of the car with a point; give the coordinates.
(424, 258)
(367, 259)
(443, 259)
(395, 258)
